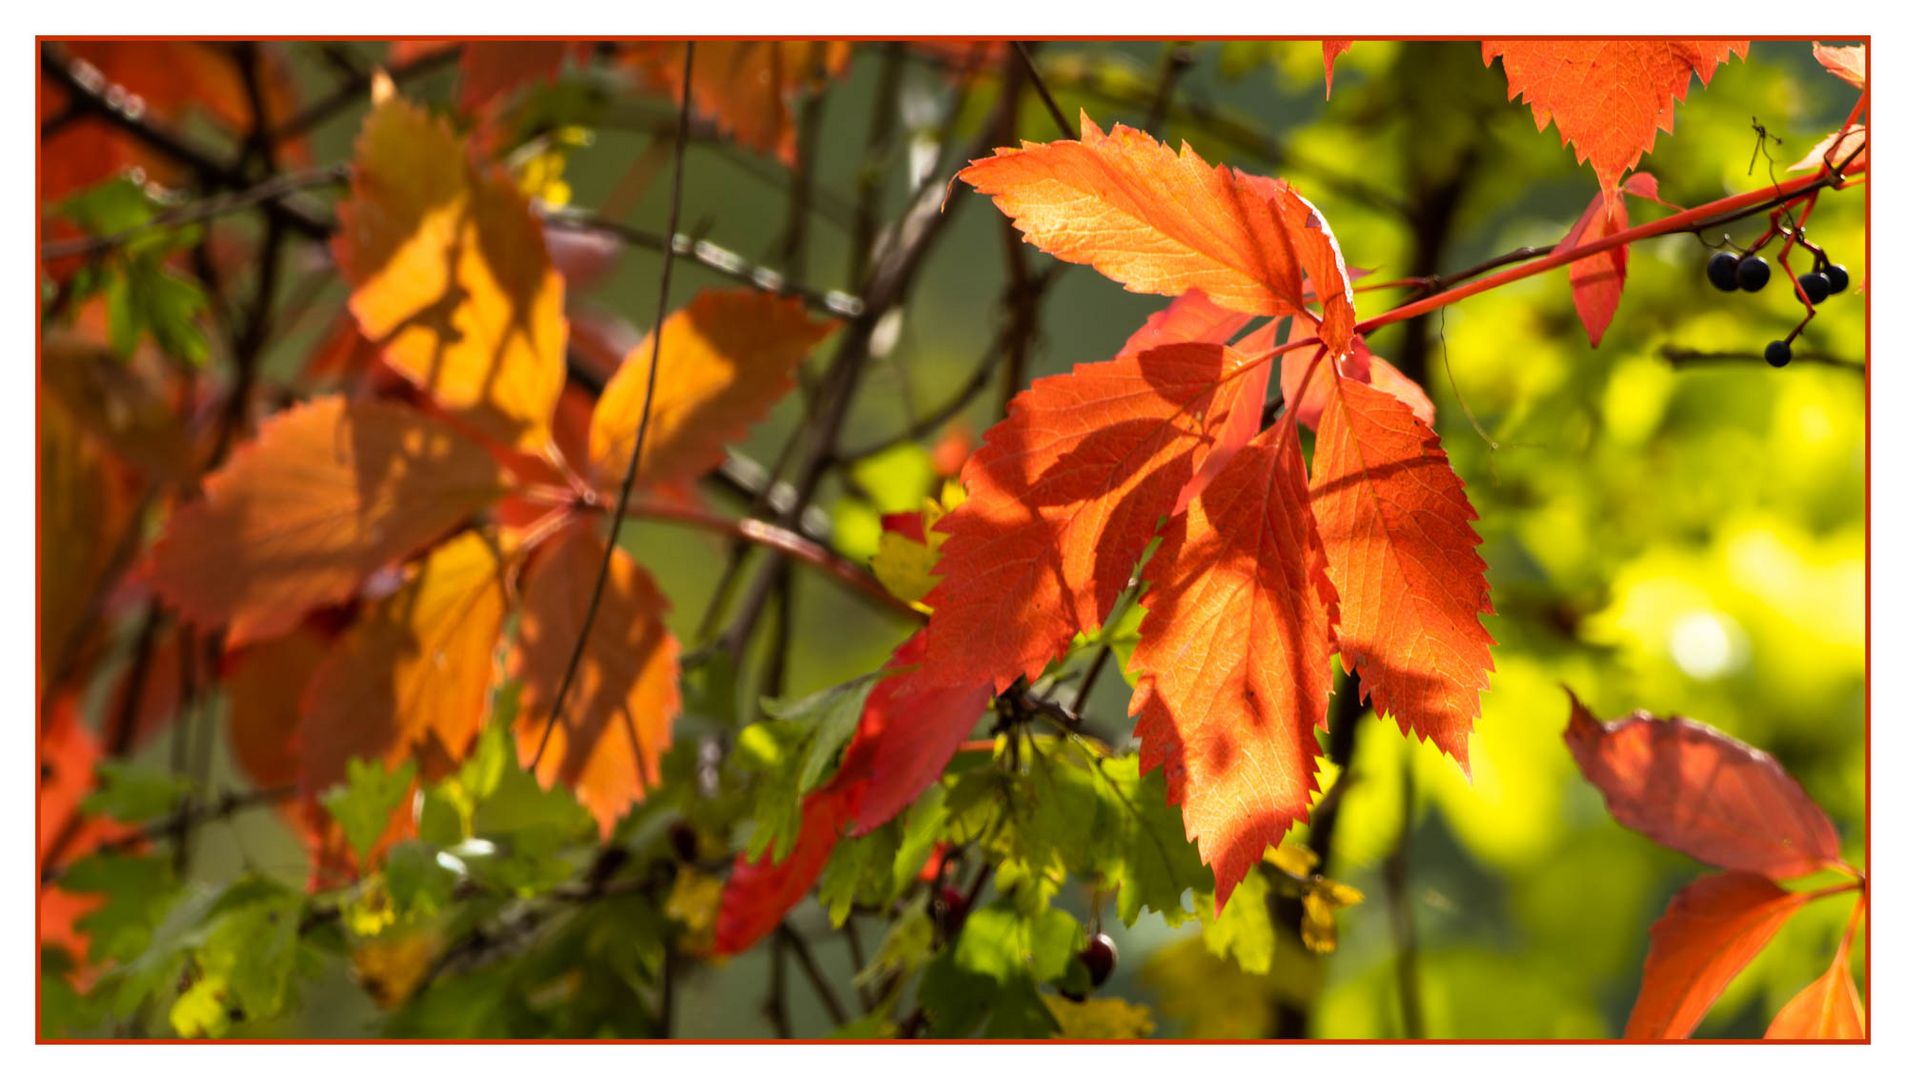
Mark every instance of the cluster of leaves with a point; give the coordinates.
(463, 692)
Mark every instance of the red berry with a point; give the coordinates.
(1099, 956)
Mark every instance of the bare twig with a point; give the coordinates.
(642, 426)
(1045, 92)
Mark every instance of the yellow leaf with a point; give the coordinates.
(413, 675)
(1100, 1018)
(726, 359)
(616, 722)
(905, 565)
(450, 277)
(327, 494)
(694, 901)
(390, 967)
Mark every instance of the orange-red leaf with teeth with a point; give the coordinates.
(1607, 96)
(1710, 932)
(1233, 656)
(1333, 48)
(1061, 501)
(1396, 529)
(328, 493)
(1687, 786)
(1160, 222)
(761, 891)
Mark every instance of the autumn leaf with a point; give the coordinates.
(1159, 222)
(83, 499)
(1607, 97)
(450, 277)
(326, 494)
(1847, 62)
(726, 359)
(1333, 48)
(412, 676)
(1829, 1007)
(1597, 281)
(1840, 150)
(617, 721)
(1710, 932)
(761, 891)
(1689, 787)
(490, 70)
(264, 692)
(1061, 501)
(1306, 400)
(911, 727)
(1233, 659)
(747, 88)
(1395, 526)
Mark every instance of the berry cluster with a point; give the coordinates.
(1748, 272)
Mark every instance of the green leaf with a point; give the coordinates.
(135, 792)
(364, 803)
(138, 890)
(1243, 933)
(1100, 1018)
(792, 753)
(420, 885)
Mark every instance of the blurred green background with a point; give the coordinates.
(1682, 537)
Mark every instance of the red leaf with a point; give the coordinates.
(1234, 656)
(760, 892)
(1333, 48)
(909, 730)
(1607, 97)
(1062, 500)
(1360, 364)
(1402, 555)
(1710, 932)
(1597, 280)
(1829, 1008)
(1160, 222)
(492, 69)
(1689, 787)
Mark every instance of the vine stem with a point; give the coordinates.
(642, 426)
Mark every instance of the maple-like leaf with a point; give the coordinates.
(726, 359)
(1689, 787)
(1607, 96)
(1395, 525)
(326, 494)
(1597, 281)
(617, 722)
(1333, 48)
(1848, 62)
(1711, 930)
(1061, 501)
(747, 88)
(761, 891)
(1829, 1007)
(1160, 222)
(1233, 659)
(412, 676)
(450, 277)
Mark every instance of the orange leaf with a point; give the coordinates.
(413, 675)
(328, 493)
(1333, 48)
(84, 507)
(616, 723)
(1395, 526)
(1840, 149)
(492, 69)
(1710, 932)
(1829, 1008)
(1607, 97)
(1234, 656)
(726, 359)
(449, 275)
(264, 687)
(1846, 61)
(1687, 786)
(1306, 400)
(1061, 501)
(746, 87)
(760, 892)
(1160, 222)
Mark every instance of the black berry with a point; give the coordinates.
(1722, 267)
(1816, 286)
(1778, 353)
(1837, 279)
(1754, 274)
(684, 842)
(1099, 956)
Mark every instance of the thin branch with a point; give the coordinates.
(805, 958)
(709, 255)
(1045, 92)
(1682, 358)
(357, 89)
(229, 805)
(1396, 880)
(192, 213)
(642, 426)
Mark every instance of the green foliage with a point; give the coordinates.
(364, 803)
(145, 296)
